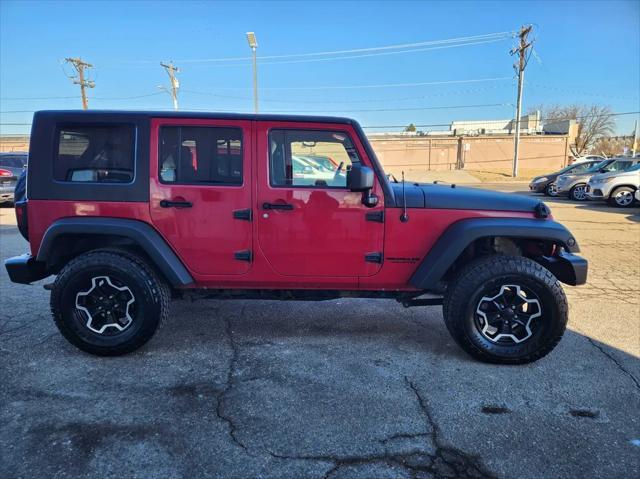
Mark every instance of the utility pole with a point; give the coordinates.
(521, 51)
(635, 145)
(175, 84)
(253, 44)
(80, 66)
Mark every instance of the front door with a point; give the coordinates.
(201, 192)
(309, 223)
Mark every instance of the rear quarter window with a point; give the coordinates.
(95, 154)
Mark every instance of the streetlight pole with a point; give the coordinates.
(253, 43)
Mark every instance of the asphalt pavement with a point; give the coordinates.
(336, 389)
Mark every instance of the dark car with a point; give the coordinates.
(132, 209)
(547, 183)
(11, 167)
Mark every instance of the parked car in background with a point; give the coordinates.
(575, 185)
(547, 184)
(618, 188)
(582, 159)
(11, 167)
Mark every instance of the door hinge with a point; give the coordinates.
(242, 214)
(376, 216)
(244, 255)
(373, 257)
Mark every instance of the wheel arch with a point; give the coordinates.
(623, 185)
(68, 237)
(466, 239)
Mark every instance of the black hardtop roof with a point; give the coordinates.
(199, 115)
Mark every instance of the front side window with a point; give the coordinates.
(581, 168)
(98, 154)
(310, 158)
(201, 155)
(619, 166)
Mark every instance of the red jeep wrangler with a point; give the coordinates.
(130, 209)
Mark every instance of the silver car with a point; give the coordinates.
(575, 186)
(11, 167)
(618, 188)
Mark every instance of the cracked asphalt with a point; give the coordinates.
(337, 389)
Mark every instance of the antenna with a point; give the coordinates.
(404, 217)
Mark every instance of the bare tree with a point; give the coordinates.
(594, 122)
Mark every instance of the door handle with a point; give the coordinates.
(277, 206)
(175, 204)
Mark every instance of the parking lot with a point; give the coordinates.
(337, 389)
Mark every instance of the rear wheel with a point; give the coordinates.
(622, 197)
(578, 192)
(108, 303)
(506, 309)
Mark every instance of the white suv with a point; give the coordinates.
(617, 187)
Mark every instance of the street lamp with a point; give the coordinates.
(253, 43)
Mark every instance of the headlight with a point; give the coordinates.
(540, 180)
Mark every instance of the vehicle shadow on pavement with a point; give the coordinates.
(344, 388)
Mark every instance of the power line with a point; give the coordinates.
(487, 36)
(302, 88)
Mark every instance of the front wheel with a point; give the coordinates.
(622, 197)
(551, 190)
(506, 309)
(108, 302)
(578, 192)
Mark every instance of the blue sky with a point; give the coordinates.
(586, 52)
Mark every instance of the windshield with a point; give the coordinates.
(599, 166)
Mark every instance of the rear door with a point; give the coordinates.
(201, 192)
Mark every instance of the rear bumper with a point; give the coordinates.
(7, 192)
(568, 268)
(25, 269)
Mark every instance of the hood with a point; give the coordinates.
(428, 195)
(550, 177)
(585, 174)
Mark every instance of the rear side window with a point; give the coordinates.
(95, 154)
(201, 155)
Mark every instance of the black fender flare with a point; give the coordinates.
(141, 233)
(462, 233)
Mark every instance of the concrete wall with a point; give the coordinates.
(494, 153)
(14, 143)
(489, 153)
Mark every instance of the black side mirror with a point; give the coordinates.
(359, 178)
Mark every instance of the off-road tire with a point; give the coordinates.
(151, 295)
(573, 192)
(470, 284)
(621, 189)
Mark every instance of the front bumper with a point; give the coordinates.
(24, 269)
(567, 267)
(598, 191)
(538, 187)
